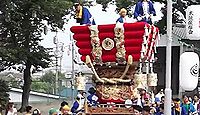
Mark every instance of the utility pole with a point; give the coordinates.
(168, 91)
(73, 70)
(58, 54)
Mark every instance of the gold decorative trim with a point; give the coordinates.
(95, 42)
(104, 80)
(88, 61)
(141, 80)
(108, 44)
(152, 79)
(119, 39)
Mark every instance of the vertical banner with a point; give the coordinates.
(193, 22)
(189, 70)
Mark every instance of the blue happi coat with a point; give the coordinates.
(91, 100)
(85, 17)
(139, 11)
(120, 19)
(75, 107)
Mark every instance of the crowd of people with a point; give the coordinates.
(155, 106)
(145, 105)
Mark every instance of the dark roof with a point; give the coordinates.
(179, 30)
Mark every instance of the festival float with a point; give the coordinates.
(121, 57)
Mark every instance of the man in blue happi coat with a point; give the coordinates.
(83, 15)
(144, 10)
(76, 107)
(92, 98)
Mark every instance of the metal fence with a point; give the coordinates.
(65, 88)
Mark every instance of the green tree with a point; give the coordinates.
(4, 96)
(41, 87)
(21, 27)
(50, 77)
(47, 82)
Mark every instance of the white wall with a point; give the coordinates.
(16, 96)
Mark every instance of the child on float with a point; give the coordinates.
(122, 18)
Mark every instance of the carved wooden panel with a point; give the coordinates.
(114, 110)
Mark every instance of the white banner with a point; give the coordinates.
(193, 22)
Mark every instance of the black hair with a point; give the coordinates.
(162, 106)
(63, 104)
(77, 98)
(137, 107)
(176, 99)
(162, 97)
(36, 112)
(28, 108)
(146, 108)
(92, 90)
(184, 96)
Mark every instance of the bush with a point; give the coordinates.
(4, 96)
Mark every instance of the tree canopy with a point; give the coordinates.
(21, 27)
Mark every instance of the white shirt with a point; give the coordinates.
(195, 105)
(145, 9)
(124, 20)
(14, 112)
(95, 98)
(159, 95)
(128, 103)
(82, 100)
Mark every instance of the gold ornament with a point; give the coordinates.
(108, 44)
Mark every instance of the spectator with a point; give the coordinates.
(28, 110)
(62, 105)
(144, 96)
(159, 95)
(162, 100)
(137, 110)
(146, 110)
(53, 111)
(187, 107)
(161, 112)
(196, 103)
(153, 108)
(176, 109)
(10, 109)
(66, 110)
(36, 112)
